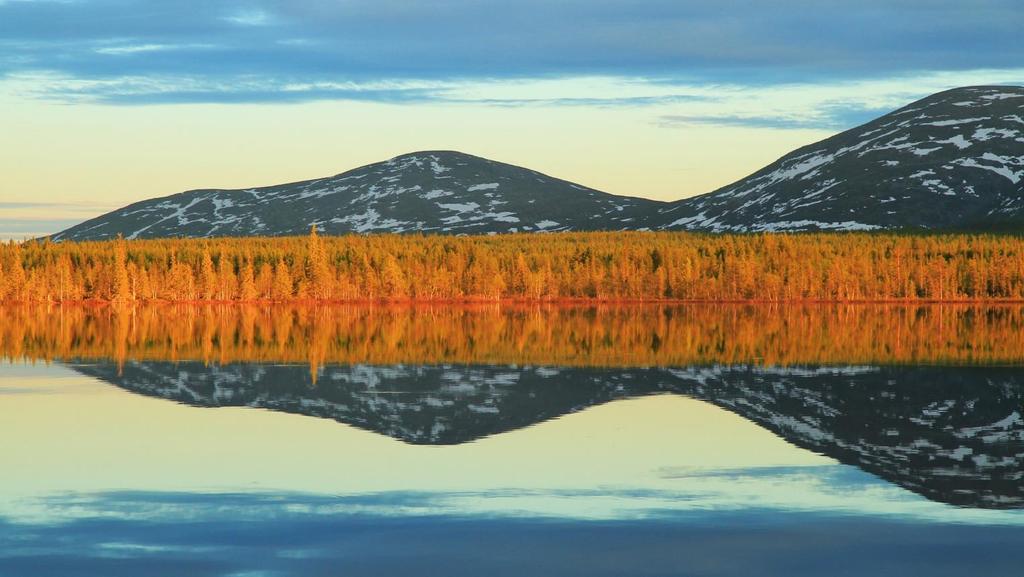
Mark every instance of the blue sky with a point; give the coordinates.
(658, 98)
(272, 51)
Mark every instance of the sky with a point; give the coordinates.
(108, 102)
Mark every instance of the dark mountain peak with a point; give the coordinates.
(436, 162)
(966, 96)
(428, 191)
(438, 155)
(952, 160)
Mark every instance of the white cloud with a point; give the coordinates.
(253, 17)
(140, 48)
(2, 2)
(825, 106)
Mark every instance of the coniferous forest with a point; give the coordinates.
(633, 266)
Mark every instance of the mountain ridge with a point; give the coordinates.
(892, 157)
(429, 191)
(951, 161)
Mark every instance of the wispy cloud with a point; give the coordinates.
(2, 2)
(742, 42)
(821, 117)
(121, 49)
(672, 103)
(21, 220)
(674, 120)
(250, 17)
(49, 206)
(23, 229)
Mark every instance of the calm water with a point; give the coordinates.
(645, 440)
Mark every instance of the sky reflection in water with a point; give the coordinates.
(101, 481)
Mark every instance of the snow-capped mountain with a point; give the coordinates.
(959, 440)
(437, 192)
(954, 160)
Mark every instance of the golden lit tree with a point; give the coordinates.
(122, 284)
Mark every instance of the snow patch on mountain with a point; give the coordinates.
(955, 159)
(950, 160)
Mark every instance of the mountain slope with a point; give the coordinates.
(954, 160)
(440, 192)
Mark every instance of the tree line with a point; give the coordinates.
(643, 266)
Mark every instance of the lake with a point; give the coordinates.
(704, 440)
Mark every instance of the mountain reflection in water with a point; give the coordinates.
(954, 435)
(926, 397)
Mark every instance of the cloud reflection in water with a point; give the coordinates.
(150, 534)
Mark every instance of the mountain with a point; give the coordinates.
(439, 192)
(954, 160)
(952, 434)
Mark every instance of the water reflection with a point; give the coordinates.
(952, 434)
(913, 394)
(928, 397)
(703, 440)
(579, 336)
(244, 535)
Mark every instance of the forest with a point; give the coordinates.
(619, 266)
